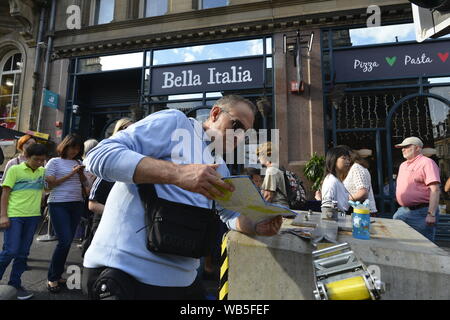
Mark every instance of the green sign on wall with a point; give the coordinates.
(50, 99)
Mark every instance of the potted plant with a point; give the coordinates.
(314, 170)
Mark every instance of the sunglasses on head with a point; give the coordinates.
(235, 124)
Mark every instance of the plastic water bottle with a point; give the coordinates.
(361, 220)
(361, 223)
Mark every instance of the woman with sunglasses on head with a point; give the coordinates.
(65, 177)
(337, 165)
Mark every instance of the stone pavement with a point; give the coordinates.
(35, 280)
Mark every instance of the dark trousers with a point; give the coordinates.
(114, 284)
(65, 217)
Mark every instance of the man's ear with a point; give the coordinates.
(215, 112)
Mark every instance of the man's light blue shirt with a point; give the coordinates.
(120, 240)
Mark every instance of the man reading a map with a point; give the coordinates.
(144, 153)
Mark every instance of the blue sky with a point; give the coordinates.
(382, 34)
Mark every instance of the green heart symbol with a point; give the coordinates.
(391, 61)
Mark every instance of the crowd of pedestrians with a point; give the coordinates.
(115, 253)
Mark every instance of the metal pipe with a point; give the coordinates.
(47, 60)
(37, 56)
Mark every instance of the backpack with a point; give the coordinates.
(296, 194)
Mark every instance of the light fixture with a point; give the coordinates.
(9, 83)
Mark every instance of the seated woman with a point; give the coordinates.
(337, 165)
(273, 187)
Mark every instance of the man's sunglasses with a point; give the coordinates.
(235, 124)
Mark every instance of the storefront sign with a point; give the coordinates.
(394, 61)
(208, 76)
(50, 99)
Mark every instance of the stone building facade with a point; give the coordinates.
(84, 34)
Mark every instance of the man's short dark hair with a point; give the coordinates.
(233, 99)
(36, 149)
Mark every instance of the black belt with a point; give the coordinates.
(419, 206)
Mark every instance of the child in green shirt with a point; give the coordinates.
(20, 213)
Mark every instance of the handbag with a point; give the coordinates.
(177, 228)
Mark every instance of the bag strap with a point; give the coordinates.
(147, 192)
(148, 195)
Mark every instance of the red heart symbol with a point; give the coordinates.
(442, 56)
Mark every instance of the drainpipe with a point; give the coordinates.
(47, 60)
(38, 56)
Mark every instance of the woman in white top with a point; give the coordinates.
(65, 177)
(358, 182)
(337, 164)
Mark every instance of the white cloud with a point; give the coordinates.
(382, 34)
(197, 49)
(188, 57)
(121, 61)
(256, 47)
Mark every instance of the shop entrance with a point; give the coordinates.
(102, 99)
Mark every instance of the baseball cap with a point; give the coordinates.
(410, 140)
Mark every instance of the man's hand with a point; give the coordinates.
(269, 227)
(4, 222)
(430, 220)
(203, 179)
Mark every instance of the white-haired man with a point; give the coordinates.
(417, 189)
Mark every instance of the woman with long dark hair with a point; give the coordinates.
(337, 164)
(65, 177)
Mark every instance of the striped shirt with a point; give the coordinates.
(27, 187)
(69, 190)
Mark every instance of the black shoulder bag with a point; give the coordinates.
(177, 228)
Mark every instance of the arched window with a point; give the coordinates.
(10, 75)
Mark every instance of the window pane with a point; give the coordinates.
(16, 83)
(439, 80)
(17, 61)
(214, 94)
(206, 4)
(155, 8)
(269, 71)
(104, 11)
(269, 46)
(5, 108)
(114, 62)
(8, 65)
(209, 52)
(7, 84)
(186, 96)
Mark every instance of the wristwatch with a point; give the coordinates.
(431, 214)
